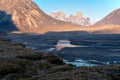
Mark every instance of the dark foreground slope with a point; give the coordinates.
(18, 63)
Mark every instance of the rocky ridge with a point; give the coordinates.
(25, 16)
(112, 19)
(76, 19)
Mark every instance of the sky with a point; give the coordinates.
(95, 9)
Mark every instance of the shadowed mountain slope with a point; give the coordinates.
(6, 23)
(27, 17)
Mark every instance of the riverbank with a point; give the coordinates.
(92, 49)
(19, 63)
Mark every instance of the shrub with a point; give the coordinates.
(30, 56)
(16, 76)
(61, 68)
(7, 68)
(43, 65)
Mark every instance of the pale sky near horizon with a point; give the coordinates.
(95, 9)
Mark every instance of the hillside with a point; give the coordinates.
(112, 19)
(25, 16)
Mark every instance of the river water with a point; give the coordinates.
(79, 62)
(85, 52)
(61, 44)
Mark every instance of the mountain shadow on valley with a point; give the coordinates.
(6, 23)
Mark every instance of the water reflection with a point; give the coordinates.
(63, 44)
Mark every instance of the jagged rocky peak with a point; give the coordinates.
(58, 13)
(79, 15)
(78, 19)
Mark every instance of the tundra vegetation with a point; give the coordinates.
(19, 63)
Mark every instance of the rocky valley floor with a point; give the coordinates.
(94, 48)
(19, 63)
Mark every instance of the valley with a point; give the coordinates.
(38, 45)
(96, 49)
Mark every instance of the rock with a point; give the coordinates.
(76, 19)
(112, 19)
(24, 16)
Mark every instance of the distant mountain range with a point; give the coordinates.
(76, 19)
(26, 17)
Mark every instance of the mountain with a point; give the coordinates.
(111, 19)
(25, 16)
(76, 19)
(59, 15)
